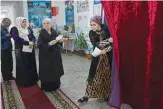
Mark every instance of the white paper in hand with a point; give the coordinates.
(27, 49)
(96, 52)
(59, 37)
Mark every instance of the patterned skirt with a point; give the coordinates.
(100, 87)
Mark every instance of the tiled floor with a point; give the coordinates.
(74, 80)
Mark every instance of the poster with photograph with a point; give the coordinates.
(37, 11)
(69, 13)
(82, 6)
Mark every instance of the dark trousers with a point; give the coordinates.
(6, 65)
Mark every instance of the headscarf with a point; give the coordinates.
(5, 22)
(96, 19)
(23, 32)
(47, 20)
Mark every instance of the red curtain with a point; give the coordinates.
(137, 31)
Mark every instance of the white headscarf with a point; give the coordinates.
(23, 32)
(47, 20)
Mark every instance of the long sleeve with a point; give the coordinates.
(17, 39)
(5, 40)
(41, 43)
(105, 33)
(93, 40)
(32, 37)
(3, 36)
(45, 38)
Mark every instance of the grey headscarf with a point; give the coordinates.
(96, 19)
(5, 22)
(47, 20)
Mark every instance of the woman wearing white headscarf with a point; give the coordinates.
(26, 72)
(50, 61)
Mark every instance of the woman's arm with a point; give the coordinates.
(107, 35)
(41, 42)
(4, 35)
(17, 39)
(92, 39)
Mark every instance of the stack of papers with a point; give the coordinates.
(27, 49)
(59, 37)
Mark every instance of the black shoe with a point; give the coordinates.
(106, 99)
(83, 99)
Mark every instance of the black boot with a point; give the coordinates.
(83, 99)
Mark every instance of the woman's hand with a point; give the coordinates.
(31, 44)
(103, 51)
(53, 42)
(9, 35)
(111, 39)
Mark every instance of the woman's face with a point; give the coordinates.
(94, 26)
(24, 24)
(47, 25)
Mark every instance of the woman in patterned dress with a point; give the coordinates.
(99, 79)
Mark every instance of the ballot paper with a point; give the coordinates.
(96, 52)
(59, 37)
(108, 49)
(26, 48)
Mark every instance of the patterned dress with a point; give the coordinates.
(99, 79)
(100, 87)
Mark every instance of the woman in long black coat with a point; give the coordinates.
(50, 61)
(26, 70)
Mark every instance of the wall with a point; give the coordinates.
(60, 18)
(18, 8)
(86, 29)
(10, 12)
(89, 14)
(25, 10)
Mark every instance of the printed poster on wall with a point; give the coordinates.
(82, 6)
(55, 11)
(69, 13)
(97, 1)
(37, 11)
(83, 21)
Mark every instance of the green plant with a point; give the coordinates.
(80, 42)
(73, 28)
(66, 27)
